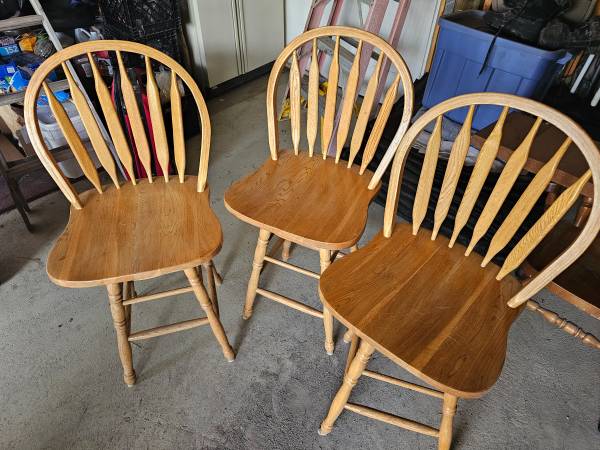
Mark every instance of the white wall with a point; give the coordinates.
(414, 40)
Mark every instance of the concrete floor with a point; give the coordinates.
(60, 377)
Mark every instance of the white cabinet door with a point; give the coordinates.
(220, 40)
(262, 31)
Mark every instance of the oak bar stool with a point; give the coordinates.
(306, 197)
(134, 229)
(435, 308)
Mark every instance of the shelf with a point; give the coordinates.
(16, 23)
(17, 97)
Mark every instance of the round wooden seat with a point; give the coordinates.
(134, 233)
(309, 200)
(432, 310)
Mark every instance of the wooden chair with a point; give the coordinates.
(306, 197)
(437, 310)
(138, 228)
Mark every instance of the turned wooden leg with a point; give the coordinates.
(127, 294)
(257, 263)
(563, 324)
(354, 343)
(348, 336)
(285, 250)
(212, 289)
(117, 310)
(218, 277)
(448, 410)
(213, 319)
(350, 379)
(325, 256)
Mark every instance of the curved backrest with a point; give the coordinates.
(141, 137)
(514, 165)
(337, 109)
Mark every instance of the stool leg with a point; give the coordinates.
(115, 298)
(350, 379)
(448, 411)
(355, 341)
(213, 319)
(285, 251)
(257, 263)
(325, 257)
(212, 289)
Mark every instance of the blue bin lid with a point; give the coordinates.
(472, 23)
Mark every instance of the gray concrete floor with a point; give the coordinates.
(60, 377)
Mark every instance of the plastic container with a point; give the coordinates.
(512, 67)
(54, 137)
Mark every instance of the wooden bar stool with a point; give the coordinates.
(437, 309)
(311, 199)
(138, 228)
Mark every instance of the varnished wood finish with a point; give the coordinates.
(112, 120)
(437, 313)
(542, 227)
(448, 411)
(115, 298)
(295, 111)
(134, 230)
(156, 116)
(563, 324)
(348, 103)
(455, 165)
(505, 182)
(561, 122)
(525, 204)
(257, 263)
(310, 200)
(426, 177)
(103, 243)
(330, 99)
(312, 114)
(485, 159)
(365, 113)
(91, 127)
(350, 379)
(213, 319)
(282, 197)
(73, 139)
(135, 119)
(392, 293)
(325, 261)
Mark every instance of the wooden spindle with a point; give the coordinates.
(563, 324)
(543, 226)
(158, 125)
(525, 204)
(379, 125)
(312, 115)
(73, 139)
(112, 120)
(177, 121)
(365, 113)
(135, 119)
(505, 182)
(295, 107)
(453, 170)
(348, 103)
(92, 128)
(427, 175)
(481, 170)
(330, 99)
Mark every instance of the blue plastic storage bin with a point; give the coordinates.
(512, 67)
